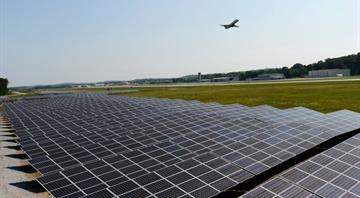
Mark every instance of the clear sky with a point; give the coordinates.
(54, 41)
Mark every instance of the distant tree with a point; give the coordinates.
(242, 76)
(286, 72)
(251, 74)
(3, 86)
(355, 70)
(298, 70)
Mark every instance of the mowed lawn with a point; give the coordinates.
(320, 96)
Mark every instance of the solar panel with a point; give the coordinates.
(96, 144)
(332, 173)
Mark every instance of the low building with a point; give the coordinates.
(99, 84)
(329, 73)
(152, 81)
(273, 76)
(116, 83)
(224, 79)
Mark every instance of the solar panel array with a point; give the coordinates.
(87, 145)
(333, 173)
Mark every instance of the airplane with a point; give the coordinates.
(232, 24)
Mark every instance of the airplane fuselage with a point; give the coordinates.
(232, 24)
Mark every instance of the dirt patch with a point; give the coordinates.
(17, 179)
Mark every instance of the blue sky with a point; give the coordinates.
(45, 41)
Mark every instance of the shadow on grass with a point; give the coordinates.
(24, 168)
(18, 156)
(32, 186)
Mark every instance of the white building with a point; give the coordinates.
(329, 73)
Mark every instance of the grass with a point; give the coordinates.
(16, 94)
(320, 96)
(95, 89)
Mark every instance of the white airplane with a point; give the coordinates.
(232, 24)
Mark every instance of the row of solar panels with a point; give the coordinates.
(333, 173)
(92, 144)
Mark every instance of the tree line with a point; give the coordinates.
(351, 62)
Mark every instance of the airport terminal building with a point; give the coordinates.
(329, 73)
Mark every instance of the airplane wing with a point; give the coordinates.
(234, 22)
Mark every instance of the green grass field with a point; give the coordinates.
(320, 96)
